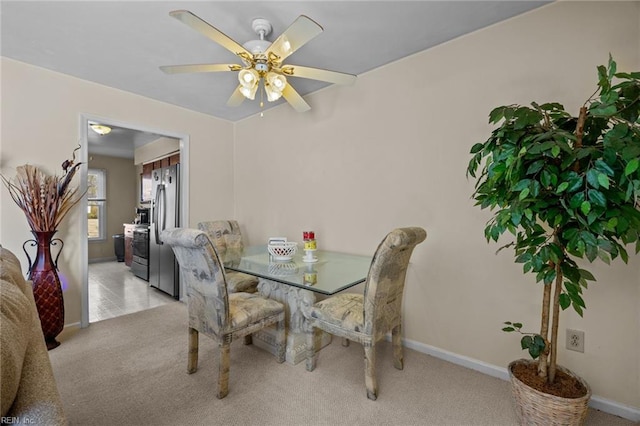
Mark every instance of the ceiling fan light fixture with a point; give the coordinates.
(278, 81)
(248, 77)
(263, 60)
(249, 92)
(274, 85)
(272, 94)
(100, 129)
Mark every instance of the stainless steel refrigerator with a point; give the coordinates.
(165, 209)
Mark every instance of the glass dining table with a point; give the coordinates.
(295, 283)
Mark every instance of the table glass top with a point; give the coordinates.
(331, 273)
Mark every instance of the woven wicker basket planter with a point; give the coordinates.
(537, 408)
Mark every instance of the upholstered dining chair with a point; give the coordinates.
(212, 311)
(367, 318)
(225, 234)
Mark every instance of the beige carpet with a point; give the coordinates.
(131, 370)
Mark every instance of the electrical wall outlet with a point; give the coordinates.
(575, 340)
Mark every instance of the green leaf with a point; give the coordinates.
(523, 194)
(612, 67)
(508, 329)
(565, 301)
(528, 214)
(549, 276)
(604, 167)
(522, 184)
(497, 114)
(577, 200)
(534, 351)
(535, 167)
(603, 180)
(555, 151)
(574, 184)
(632, 166)
(604, 110)
(597, 198)
(586, 275)
(526, 342)
(477, 148)
(562, 187)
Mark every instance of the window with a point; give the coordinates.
(97, 198)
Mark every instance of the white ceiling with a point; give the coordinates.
(121, 44)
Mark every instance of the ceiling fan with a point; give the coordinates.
(262, 61)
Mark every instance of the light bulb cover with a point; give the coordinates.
(272, 94)
(274, 85)
(100, 129)
(278, 81)
(248, 77)
(249, 92)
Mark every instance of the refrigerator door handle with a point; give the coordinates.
(164, 209)
(158, 204)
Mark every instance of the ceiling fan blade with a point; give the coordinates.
(294, 99)
(298, 34)
(210, 31)
(236, 97)
(318, 74)
(176, 69)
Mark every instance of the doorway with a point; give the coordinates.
(116, 275)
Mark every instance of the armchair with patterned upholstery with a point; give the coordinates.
(212, 310)
(367, 318)
(225, 235)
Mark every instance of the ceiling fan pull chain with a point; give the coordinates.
(262, 101)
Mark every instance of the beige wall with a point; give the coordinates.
(40, 116)
(392, 151)
(381, 154)
(121, 201)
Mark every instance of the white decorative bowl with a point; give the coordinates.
(283, 251)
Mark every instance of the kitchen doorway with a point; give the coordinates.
(113, 282)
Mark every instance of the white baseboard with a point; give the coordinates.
(596, 402)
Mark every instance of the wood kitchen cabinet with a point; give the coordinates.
(146, 170)
(128, 243)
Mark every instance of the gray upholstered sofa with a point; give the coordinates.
(28, 389)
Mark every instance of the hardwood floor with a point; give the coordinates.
(115, 291)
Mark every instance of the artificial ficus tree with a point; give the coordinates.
(567, 189)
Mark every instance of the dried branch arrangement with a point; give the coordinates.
(44, 199)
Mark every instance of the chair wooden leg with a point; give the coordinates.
(370, 370)
(345, 342)
(396, 342)
(311, 349)
(192, 363)
(281, 339)
(223, 366)
(248, 339)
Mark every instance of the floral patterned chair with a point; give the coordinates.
(367, 318)
(212, 311)
(225, 235)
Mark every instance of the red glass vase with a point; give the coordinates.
(47, 289)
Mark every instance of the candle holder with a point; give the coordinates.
(310, 246)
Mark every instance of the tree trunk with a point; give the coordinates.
(554, 325)
(544, 331)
